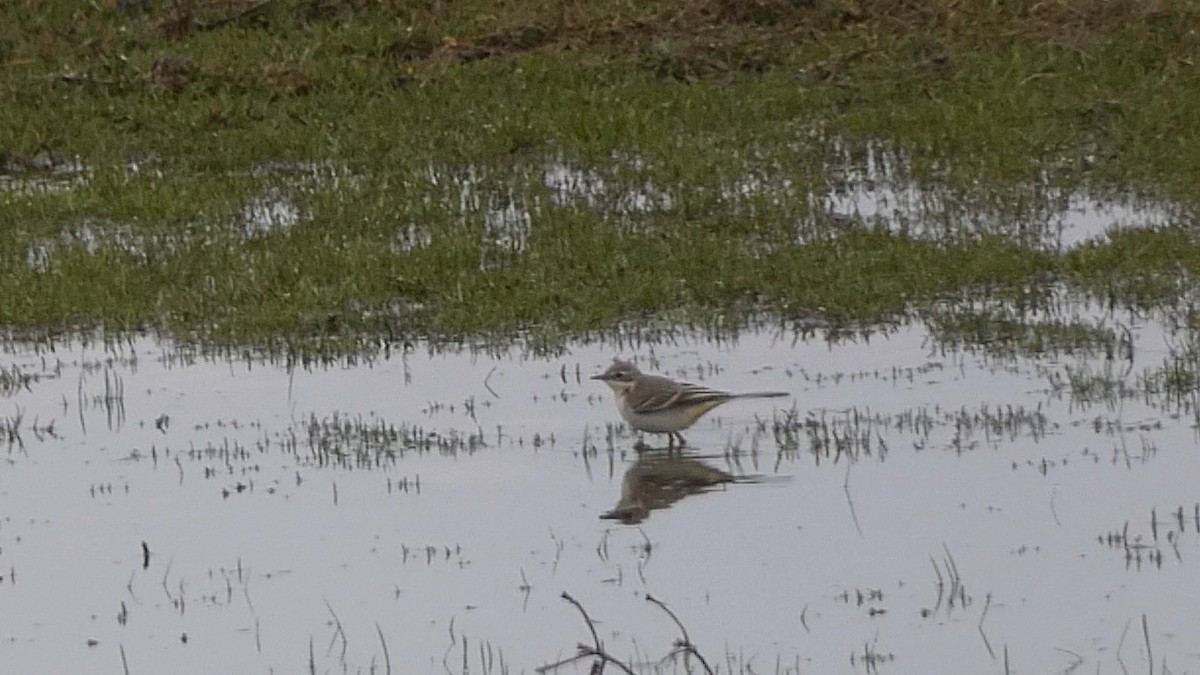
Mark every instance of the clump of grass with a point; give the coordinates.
(1142, 268)
(14, 379)
(1005, 333)
(357, 442)
(1087, 385)
(860, 433)
(10, 429)
(1175, 383)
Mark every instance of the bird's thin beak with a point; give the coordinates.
(601, 376)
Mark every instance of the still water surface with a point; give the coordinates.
(1056, 528)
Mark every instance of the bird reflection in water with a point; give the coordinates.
(659, 479)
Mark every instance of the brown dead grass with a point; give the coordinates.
(714, 38)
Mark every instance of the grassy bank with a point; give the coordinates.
(330, 174)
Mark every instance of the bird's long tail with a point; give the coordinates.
(762, 394)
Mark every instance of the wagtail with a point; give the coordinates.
(661, 405)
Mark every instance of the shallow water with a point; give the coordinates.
(436, 523)
(874, 188)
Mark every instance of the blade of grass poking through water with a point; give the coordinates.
(387, 659)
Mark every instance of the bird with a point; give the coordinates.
(660, 405)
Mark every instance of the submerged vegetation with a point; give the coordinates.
(333, 175)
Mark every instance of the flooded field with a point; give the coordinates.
(912, 507)
(300, 301)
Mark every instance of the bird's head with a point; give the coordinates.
(620, 375)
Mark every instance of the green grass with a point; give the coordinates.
(397, 136)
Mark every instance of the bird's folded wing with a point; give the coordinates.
(657, 402)
(683, 396)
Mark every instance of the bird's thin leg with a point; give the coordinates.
(678, 438)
